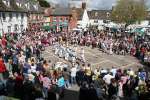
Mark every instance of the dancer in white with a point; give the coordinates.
(82, 55)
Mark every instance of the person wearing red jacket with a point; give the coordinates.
(2, 68)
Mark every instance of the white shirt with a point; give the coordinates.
(104, 71)
(22, 59)
(114, 71)
(73, 71)
(33, 69)
(96, 72)
(107, 78)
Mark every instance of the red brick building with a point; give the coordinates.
(61, 19)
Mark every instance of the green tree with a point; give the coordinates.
(44, 3)
(129, 11)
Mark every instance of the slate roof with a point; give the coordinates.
(100, 14)
(3, 7)
(15, 8)
(61, 12)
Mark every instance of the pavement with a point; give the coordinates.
(97, 59)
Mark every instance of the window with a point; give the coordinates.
(21, 27)
(95, 21)
(9, 29)
(6, 2)
(15, 27)
(27, 5)
(3, 15)
(10, 16)
(108, 14)
(54, 18)
(96, 13)
(22, 15)
(60, 19)
(66, 19)
(17, 15)
(36, 7)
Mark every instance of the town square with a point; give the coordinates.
(74, 49)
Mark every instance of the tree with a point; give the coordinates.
(44, 3)
(129, 11)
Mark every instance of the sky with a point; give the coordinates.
(92, 4)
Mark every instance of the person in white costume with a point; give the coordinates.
(82, 55)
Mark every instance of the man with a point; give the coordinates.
(107, 78)
(73, 74)
(61, 85)
(88, 73)
(113, 71)
(82, 55)
(66, 75)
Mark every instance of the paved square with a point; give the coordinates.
(97, 58)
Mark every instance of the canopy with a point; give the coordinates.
(141, 31)
(46, 28)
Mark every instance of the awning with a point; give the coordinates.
(46, 28)
(140, 31)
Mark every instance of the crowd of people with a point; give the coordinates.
(26, 75)
(118, 43)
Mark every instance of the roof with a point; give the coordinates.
(47, 12)
(79, 12)
(13, 6)
(3, 7)
(61, 11)
(99, 14)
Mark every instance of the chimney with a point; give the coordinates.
(83, 5)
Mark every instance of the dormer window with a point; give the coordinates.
(6, 2)
(19, 4)
(149, 14)
(96, 13)
(36, 7)
(108, 14)
(27, 5)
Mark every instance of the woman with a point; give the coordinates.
(46, 84)
(61, 85)
(2, 68)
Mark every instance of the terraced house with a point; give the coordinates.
(35, 14)
(18, 15)
(13, 16)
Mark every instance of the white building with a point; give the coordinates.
(13, 17)
(99, 17)
(84, 22)
(82, 16)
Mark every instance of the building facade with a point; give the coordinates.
(35, 15)
(99, 17)
(13, 17)
(19, 15)
(60, 19)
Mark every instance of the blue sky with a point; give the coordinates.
(93, 4)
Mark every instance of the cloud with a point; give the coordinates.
(92, 4)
